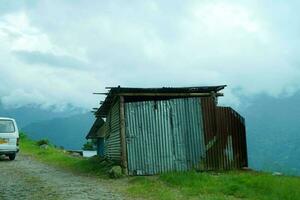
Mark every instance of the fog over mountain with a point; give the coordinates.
(68, 132)
(55, 53)
(66, 128)
(26, 115)
(272, 130)
(273, 133)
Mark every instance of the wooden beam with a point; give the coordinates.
(171, 94)
(101, 93)
(123, 136)
(112, 87)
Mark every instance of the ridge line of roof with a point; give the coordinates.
(115, 91)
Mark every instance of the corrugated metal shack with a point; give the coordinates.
(154, 130)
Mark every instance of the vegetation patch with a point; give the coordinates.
(211, 185)
(60, 158)
(42, 142)
(151, 188)
(178, 185)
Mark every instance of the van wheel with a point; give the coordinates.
(12, 156)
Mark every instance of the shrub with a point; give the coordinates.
(42, 142)
(22, 135)
(88, 146)
(115, 172)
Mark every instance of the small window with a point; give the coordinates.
(7, 126)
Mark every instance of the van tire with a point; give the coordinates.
(12, 156)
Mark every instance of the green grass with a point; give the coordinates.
(180, 185)
(225, 185)
(60, 158)
(150, 188)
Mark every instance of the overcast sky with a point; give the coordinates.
(58, 52)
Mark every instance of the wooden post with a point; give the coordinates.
(123, 137)
(215, 97)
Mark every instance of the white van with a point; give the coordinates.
(9, 138)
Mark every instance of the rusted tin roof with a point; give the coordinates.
(146, 93)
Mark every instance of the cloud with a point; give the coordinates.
(61, 52)
(36, 57)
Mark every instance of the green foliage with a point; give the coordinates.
(68, 132)
(89, 146)
(225, 185)
(42, 142)
(22, 136)
(180, 185)
(115, 172)
(59, 158)
(150, 188)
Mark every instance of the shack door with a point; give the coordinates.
(164, 135)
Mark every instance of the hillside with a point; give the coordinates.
(29, 114)
(68, 132)
(272, 129)
(231, 185)
(273, 134)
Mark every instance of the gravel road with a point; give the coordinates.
(26, 178)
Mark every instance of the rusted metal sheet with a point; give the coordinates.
(233, 137)
(210, 132)
(164, 136)
(225, 137)
(171, 129)
(177, 135)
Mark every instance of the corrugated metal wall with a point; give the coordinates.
(102, 130)
(112, 148)
(177, 135)
(225, 137)
(231, 128)
(188, 133)
(100, 147)
(210, 130)
(164, 135)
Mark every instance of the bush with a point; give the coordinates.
(115, 172)
(22, 135)
(88, 146)
(42, 142)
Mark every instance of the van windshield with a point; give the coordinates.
(7, 126)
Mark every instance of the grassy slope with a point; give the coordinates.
(60, 158)
(185, 185)
(230, 185)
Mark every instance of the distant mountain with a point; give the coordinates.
(29, 114)
(68, 132)
(65, 128)
(273, 133)
(273, 129)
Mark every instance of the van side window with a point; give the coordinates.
(7, 126)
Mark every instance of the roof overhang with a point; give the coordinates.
(171, 92)
(96, 126)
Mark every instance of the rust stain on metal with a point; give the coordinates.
(226, 128)
(159, 129)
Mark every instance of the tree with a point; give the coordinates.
(90, 145)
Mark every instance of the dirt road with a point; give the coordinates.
(26, 178)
